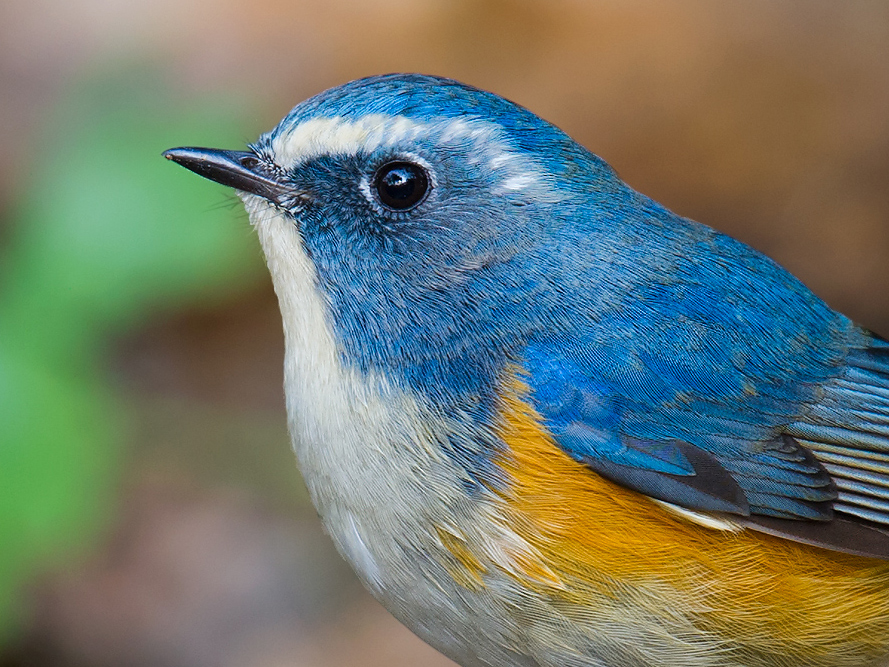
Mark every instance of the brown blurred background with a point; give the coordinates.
(186, 539)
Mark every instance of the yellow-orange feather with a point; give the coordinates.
(760, 595)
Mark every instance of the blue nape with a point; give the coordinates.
(664, 355)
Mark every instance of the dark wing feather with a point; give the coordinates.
(706, 486)
(819, 474)
(844, 535)
(847, 430)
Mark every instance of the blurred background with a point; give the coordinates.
(150, 509)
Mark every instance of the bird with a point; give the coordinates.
(549, 422)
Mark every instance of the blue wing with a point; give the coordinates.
(725, 385)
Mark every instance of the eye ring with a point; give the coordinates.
(400, 185)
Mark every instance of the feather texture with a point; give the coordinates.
(847, 429)
(821, 456)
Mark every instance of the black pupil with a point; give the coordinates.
(401, 185)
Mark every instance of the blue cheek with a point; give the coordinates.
(402, 306)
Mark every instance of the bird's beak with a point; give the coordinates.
(236, 169)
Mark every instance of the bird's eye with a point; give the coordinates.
(401, 185)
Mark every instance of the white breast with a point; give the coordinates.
(362, 446)
(372, 461)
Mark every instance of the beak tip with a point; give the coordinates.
(174, 154)
(232, 168)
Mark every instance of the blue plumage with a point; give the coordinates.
(470, 301)
(666, 356)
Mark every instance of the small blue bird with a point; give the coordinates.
(549, 422)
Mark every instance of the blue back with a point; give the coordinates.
(669, 357)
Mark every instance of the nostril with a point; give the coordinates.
(250, 161)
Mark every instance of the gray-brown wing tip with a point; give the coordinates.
(843, 535)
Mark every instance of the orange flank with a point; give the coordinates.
(761, 596)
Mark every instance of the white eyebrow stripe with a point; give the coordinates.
(519, 181)
(323, 136)
(485, 141)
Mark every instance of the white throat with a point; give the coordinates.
(327, 402)
(362, 445)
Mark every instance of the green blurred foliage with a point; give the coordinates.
(106, 234)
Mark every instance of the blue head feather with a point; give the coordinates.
(442, 297)
(666, 356)
(439, 298)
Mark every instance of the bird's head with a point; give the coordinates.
(433, 215)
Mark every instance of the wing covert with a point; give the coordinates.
(788, 465)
